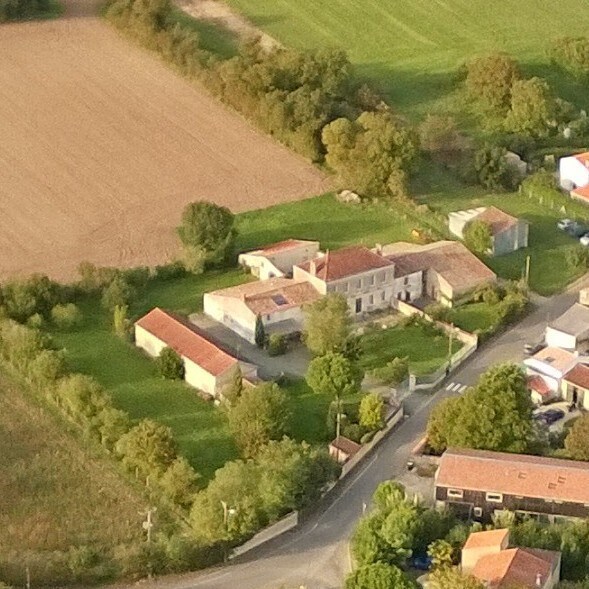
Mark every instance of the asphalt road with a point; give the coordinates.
(315, 555)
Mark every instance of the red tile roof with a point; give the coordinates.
(497, 219)
(515, 567)
(345, 262)
(283, 246)
(578, 376)
(486, 538)
(183, 337)
(538, 384)
(515, 474)
(583, 158)
(582, 193)
(345, 445)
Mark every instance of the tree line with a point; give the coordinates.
(22, 9)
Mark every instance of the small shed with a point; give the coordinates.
(342, 449)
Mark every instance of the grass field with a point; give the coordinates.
(473, 317)
(53, 495)
(411, 49)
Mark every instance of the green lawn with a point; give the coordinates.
(323, 218)
(549, 272)
(412, 49)
(426, 348)
(473, 317)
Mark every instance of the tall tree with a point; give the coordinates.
(210, 227)
(372, 411)
(577, 441)
(259, 415)
(452, 578)
(532, 108)
(333, 375)
(328, 324)
(259, 332)
(378, 576)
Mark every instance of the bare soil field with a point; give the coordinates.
(102, 145)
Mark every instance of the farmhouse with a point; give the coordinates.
(445, 271)
(574, 175)
(277, 301)
(508, 233)
(487, 557)
(361, 275)
(206, 366)
(278, 259)
(571, 330)
(476, 483)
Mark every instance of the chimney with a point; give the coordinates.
(539, 580)
(313, 268)
(378, 249)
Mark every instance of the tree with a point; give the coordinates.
(179, 482)
(489, 81)
(452, 578)
(478, 237)
(439, 136)
(46, 368)
(66, 316)
(394, 372)
(120, 320)
(210, 227)
(234, 386)
(372, 411)
(494, 415)
(368, 153)
(491, 168)
(572, 54)
(334, 376)
(170, 364)
(328, 324)
(112, 425)
(118, 293)
(378, 576)
(441, 552)
(532, 108)
(577, 441)
(148, 448)
(259, 415)
(260, 332)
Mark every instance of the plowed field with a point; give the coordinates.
(101, 146)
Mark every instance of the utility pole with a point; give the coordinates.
(450, 337)
(147, 525)
(227, 511)
(338, 417)
(527, 270)
(28, 574)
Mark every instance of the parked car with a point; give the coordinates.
(530, 348)
(421, 563)
(549, 416)
(564, 224)
(573, 228)
(584, 240)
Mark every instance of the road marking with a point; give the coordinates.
(463, 388)
(456, 387)
(450, 386)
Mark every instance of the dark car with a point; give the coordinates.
(549, 416)
(421, 563)
(577, 230)
(530, 349)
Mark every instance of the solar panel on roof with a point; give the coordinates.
(279, 299)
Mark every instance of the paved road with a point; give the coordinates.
(315, 555)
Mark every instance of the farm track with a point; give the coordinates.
(103, 145)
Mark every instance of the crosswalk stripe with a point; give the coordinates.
(463, 388)
(450, 386)
(456, 387)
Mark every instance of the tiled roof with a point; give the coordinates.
(345, 445)
(582, 193)
(538, 384)
(345, 262)
(183, 337)
(557, 358)
(515, 567)
(486, 538)
(264, 297)
(497, 219)
(283, 246)
(578, 376)
(515, 474)
(583, 158)
(452, 260)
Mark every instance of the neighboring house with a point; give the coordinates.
(574, 175)
(476, 483)
(571, 330)
(206, 366)
(364, 277)
(575, 386)
(445, 271)
(277, 301)
(508, 233)
(549, 365)
(487, 556)
(278, 259)
(342, 449)
(540, 392)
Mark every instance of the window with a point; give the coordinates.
(494, 497)
(267, 317)
(382, 295)
(345, 287)
(359, 284)
(455, 493)
(382, 276)
(372, 280)
(477, 512)
(406, 280)
(371, 300)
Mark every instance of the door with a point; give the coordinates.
(359, 305)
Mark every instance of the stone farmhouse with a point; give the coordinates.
(488, 557)
(508, 233)
(370, 280)
(476, 483)
(206, 366)
(574, 175)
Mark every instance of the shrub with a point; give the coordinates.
(353, 431)
(478, 237)
(121, 323)
(66, 316)
(438, 312)
(169, 271)
(118, 293)
(577, 257)
(170, 365)
(571, 54)
(394, 372)
(372, 412)
(277, 345)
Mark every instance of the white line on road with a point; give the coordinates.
(450, 386)
(463, 388)
(456, 387)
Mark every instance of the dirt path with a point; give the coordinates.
(218, 12)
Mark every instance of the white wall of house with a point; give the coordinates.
(458, 220)
(231, 312)
(572, 173)
(148, 342)
(582, 395)
(559, 339)
(260, 266)
(279, 263)
(408, 288)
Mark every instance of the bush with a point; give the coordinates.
(118, 293)
(170, 365)
(395, 371)
(354, 431)
(577, 257)
(169, 271)
(66, 316)
(438, 312)
(571, 54)
(277, 345)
